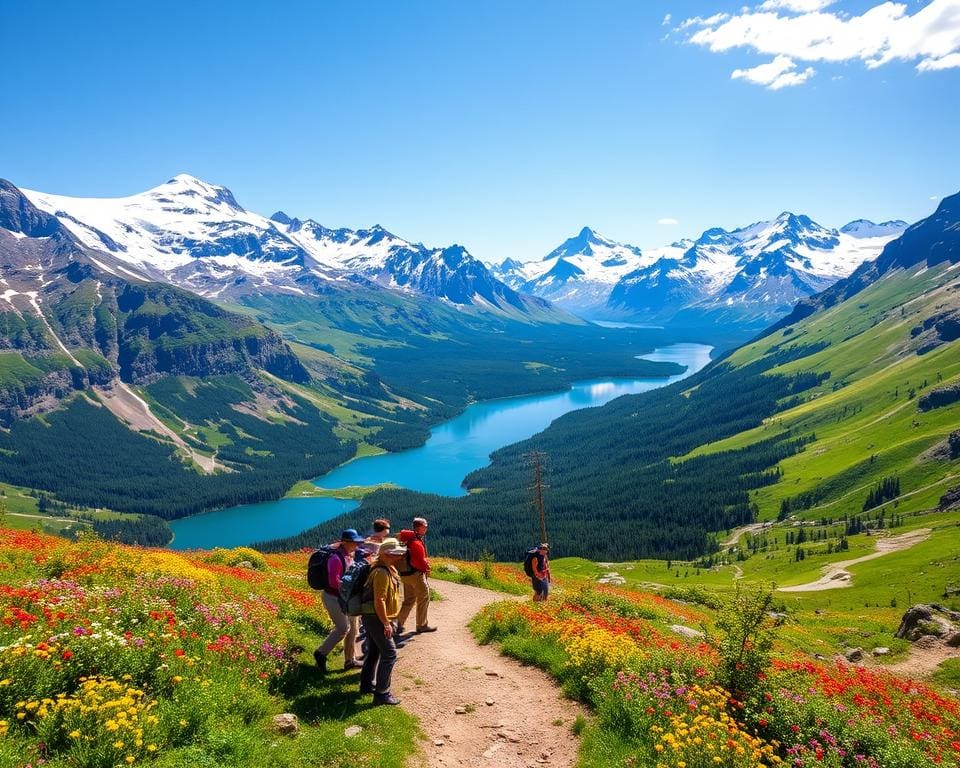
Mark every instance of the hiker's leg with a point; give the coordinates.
(341, 623)
(387, 652)
(409, 598)
(423, 598)
(368, 675)
(350, 639)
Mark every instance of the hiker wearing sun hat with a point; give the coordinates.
(382, 597)
(344, 627)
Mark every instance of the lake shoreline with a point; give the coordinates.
(460, 445)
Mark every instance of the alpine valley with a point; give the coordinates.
(210, 356)
(841, 415)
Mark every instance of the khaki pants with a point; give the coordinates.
(344, 628)
(415, 590)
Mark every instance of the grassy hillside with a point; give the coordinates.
(865, 420)
(115, 655)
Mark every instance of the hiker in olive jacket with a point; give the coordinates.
(414, 573)
(382, 595)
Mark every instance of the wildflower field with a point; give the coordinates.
(733, 697)
(115, 656)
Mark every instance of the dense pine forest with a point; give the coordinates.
(133, 473)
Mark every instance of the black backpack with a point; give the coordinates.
(528, 561)
(317, 566)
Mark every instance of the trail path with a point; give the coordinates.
(922, 662)
(441, 671)
(836, 575)
(737, 533)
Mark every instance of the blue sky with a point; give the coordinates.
(503, 126)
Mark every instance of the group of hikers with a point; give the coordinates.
(370, 585)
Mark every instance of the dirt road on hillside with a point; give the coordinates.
(439, 672)
(836, 575)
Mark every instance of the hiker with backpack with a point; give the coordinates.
(536, 564)
(325, 571)
(380, 604)
(414, 571)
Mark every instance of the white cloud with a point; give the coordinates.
(949, 61)
(668, 222)
(802, 31)
(667, 19)
(777, 74)
(798, 6)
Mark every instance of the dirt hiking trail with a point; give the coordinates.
(440, 672)
(836, 575)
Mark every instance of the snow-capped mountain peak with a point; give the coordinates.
(866, 228)
(183, 186)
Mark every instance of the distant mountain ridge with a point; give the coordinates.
(751, 274)
(196, 235)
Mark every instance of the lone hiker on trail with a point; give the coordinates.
(382, 596)
(344, 627)
(540, 579)
(414, 573)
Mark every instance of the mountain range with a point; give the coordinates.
(195, 235)
(753, 274)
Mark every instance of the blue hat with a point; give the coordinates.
(351, 535)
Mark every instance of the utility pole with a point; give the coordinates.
(537, 458)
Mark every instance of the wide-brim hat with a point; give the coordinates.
(392, 546)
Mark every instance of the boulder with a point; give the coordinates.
(927, 642)
(952, 639)
(853, 654)
(352, 731)
(693, 634)
(920, 620)
(286, 724)
(881, 651)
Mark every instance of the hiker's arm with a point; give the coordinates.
(334, 572)
(418, 557)
(380, 606)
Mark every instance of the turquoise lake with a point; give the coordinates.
(454, 449)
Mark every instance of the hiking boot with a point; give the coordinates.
(385, 698)
(321, 661)
(352, 664)
(426, 628)
(367, 689)
(399, 629)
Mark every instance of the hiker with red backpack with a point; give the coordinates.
(414, 571)
(325, 571)
(536, 564)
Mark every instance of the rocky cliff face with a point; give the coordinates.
(72, 317)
